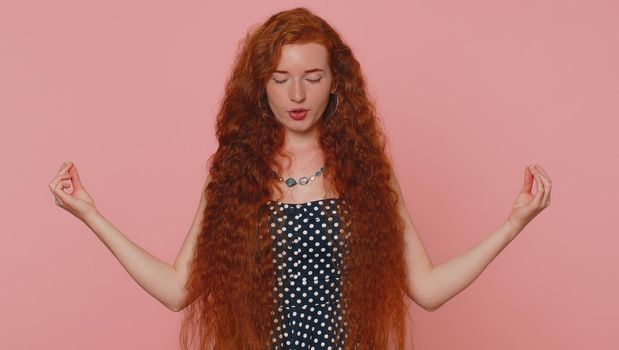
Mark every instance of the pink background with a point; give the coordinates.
(470, 93)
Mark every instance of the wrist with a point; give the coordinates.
(91, 216)
(513, 228)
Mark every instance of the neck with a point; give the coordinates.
(301, 142)
(304, 152)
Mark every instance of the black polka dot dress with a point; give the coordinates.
(307, 256)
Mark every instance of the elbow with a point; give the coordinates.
(432, 304)
(424, 300)
(180, 302)
(430, 307)
(430, 301)
(425, 303)
(173, 308)
(178, 306)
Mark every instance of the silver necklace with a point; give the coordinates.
(303, 180)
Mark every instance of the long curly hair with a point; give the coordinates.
(232, 274)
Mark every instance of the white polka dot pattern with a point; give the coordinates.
(307, 255)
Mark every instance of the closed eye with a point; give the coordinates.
(310, 80)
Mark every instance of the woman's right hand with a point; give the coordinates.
(78, 202)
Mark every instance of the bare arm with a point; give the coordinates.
(450, 278)
(183, 259)
(163, 281)
(418, 262)
(430, 286)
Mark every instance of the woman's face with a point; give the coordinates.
(302, 79)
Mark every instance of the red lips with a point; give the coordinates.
(298, 113)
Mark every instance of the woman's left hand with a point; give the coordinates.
(528, 205)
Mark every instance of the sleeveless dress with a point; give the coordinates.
(307, 257)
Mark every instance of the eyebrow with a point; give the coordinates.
(307, 71)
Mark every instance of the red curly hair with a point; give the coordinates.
(231, 275)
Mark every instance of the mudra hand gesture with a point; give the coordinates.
(528, 205)
(78, 202)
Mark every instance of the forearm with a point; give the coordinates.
(450, 278)
(154, 275)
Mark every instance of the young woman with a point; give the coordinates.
(302, 239)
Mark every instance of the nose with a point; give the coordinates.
(297, 92)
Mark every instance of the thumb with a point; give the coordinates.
(528, 180)
(65, 198)
(75, 176)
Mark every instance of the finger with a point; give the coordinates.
(57, 186)
(539, 171)
(61, 172)
(77, 183)
(61, 196)
(58, 198)
(540, 188)
(62, 181)
(545, 173)
(547, 187)
(528, 180)
(64, 167)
